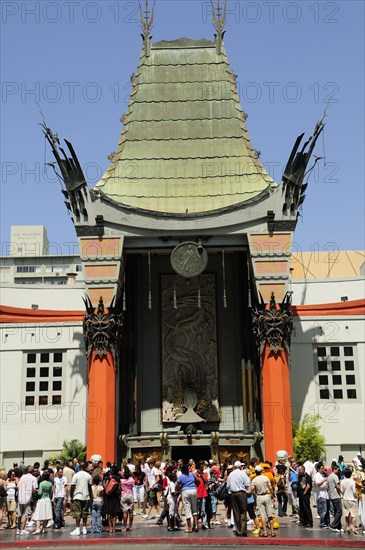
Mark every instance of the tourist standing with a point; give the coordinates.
(11, 502)
(59, 497)
(321, 485)
(97, 504)
(139, 489)
(154, 487)
(43, 511)
(262, 488)
(304, 488)
(81, 497)
(348, 489)
(238, 484)
(186, 482)
(334, 494)
(127, 500)
(27, 487)
(111, 506)
(204, 507)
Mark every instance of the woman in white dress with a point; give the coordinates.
(43, 511)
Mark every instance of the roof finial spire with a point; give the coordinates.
(219, 20)
(147, 17)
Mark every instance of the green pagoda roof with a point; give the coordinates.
(184, 147)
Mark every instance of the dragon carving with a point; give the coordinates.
(102, 331)
(273, 324)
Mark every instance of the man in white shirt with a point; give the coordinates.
(59, 497)
(238, 484)
(321, 485)
(153, 477)
(27, 486)
(81, 496)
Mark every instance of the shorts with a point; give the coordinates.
(11, 505)
(152, 498)
(190, 502)
(24, 509)
(265, 507)
(251, 511)
(127, 503)
(3, 503)
(80, 508)
(349, 508)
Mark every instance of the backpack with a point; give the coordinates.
(281, 485)
(111, 486)
(222, 492)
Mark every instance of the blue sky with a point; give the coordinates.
(76, 59)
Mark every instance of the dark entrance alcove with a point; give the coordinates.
(194, 452)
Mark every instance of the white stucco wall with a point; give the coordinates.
(326, 291)
(53, 297)
(37, 432)
(342, 420)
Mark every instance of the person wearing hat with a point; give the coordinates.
(264, 494)
(238, 484)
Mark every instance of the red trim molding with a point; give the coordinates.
(19, 315)
(355, 307)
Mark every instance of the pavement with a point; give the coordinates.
(147, 532)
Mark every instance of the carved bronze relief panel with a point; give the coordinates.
(189, 346)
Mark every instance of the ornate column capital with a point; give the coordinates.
(102, 330)
(273, 325)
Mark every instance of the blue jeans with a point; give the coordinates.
(58, 511)
(282, 503)
(323, 511)
(96, 517)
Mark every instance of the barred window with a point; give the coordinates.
(43, 377)
(335, 372)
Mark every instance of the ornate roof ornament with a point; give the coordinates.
(273, 324)
(102, 330)
(296, 169)
(147, 18)
(219, 20)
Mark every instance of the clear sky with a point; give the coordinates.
(75, 58)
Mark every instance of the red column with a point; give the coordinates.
(276, 401)
(101, 408)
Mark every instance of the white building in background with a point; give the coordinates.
(27, 260)
(43, 372)
(27, 240)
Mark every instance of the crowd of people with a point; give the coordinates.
(33, 499)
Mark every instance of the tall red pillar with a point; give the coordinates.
(101, 408)
(102, 332)
(276, 403)
(272, 325)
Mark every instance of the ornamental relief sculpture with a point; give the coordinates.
(189, 346)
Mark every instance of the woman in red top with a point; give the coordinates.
(204, 503)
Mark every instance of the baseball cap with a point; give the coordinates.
(238, 464)
(258, 468)
(211, 461)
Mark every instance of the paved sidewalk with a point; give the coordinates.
(146, 531)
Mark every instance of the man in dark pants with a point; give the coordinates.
(304, 489)
(334, 494)
(238, 484)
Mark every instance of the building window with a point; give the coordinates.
(28, 269)
(43, 382)
(336, 372)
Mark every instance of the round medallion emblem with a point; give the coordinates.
(189, 259)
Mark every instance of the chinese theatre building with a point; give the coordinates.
(185, 244)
